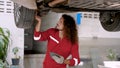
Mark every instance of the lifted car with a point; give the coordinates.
(25, 10)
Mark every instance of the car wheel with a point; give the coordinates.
(24, 17)
(110, 21)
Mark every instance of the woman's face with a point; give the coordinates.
(60, 25)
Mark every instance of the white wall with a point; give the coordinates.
(91, 27)
(17, 35)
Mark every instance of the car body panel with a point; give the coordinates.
(96, 4)
(31, 4)
(84, 4)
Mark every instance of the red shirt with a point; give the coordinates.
(62, 47)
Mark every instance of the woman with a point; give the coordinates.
(62, 40)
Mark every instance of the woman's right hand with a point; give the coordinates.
(38, 18)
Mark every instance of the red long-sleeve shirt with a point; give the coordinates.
(62, 47)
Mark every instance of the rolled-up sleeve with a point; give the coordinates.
(37, 35)
(75, 55)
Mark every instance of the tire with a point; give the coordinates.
(110, 21)
(24, 17)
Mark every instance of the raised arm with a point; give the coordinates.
(38, 25)
(41, 35)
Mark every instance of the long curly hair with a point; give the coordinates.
(70, 28)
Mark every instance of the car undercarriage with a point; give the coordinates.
(109, 11)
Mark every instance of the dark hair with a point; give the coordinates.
(70, 29)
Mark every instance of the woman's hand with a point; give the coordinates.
(38, 18)
(66, 62)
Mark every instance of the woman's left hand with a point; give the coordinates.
(66, 61)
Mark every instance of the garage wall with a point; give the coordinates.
(17, 35)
